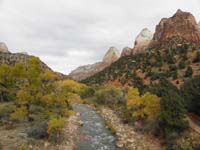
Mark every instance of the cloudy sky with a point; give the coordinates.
(68, 33)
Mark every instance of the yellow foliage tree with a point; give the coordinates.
(151, 104)
(133, 98)
(141, 106)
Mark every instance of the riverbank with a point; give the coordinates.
(127, 138)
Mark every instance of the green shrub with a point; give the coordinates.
(188, 72)
(6, 110)
(191, 94)
(197, 58)
(109, 95)
(172, 116)
(39, 130)
(181, 64)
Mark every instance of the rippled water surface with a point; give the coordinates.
(94, 135)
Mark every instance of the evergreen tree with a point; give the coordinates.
(172, 116)
(188, 72)
(191, 94)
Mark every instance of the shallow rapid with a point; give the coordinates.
(93, 134)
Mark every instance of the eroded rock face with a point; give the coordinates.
(86, 71)
(126, 51)
(142, 41)
(111, 56)
(181, 24)
(3, 48)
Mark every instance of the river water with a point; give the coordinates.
(93, 134)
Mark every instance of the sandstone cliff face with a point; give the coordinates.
(3, 48)
(126, 51)
(86, 71)
(111, 56)
(142, 41)
(181, 24)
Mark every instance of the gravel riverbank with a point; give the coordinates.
(127, 138)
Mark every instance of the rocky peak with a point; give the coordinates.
(181, 24)
(126, 51)
(142, 41)
(86, 71)
(3, 48)
(111, 56)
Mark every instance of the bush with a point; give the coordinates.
(197, 58)
(87, 92)
(6, 110)
(109, 95)
(55, 126)
(181, 64)
(39, 130)
(188, 72)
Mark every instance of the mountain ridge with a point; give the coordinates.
(170, 54)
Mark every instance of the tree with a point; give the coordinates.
(24, 100)
(188, 72)
(197, 58)
(172, 115)
(162, 87)
(151, 104)
(191, 94)
(147, 105)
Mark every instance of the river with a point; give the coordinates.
(93, 134)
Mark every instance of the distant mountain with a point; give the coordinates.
(173, 53)
(6, 57)
(86, 71)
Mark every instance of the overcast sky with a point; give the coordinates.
(68, 33)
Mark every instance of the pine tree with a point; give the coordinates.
(172, 116)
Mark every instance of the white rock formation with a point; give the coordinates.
(3, 48)
(126, 51)
(86, 71)
(142, 41)
(111, 56)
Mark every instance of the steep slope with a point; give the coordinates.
(86, 71)
(172, 55)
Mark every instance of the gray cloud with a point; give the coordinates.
(69, 33)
